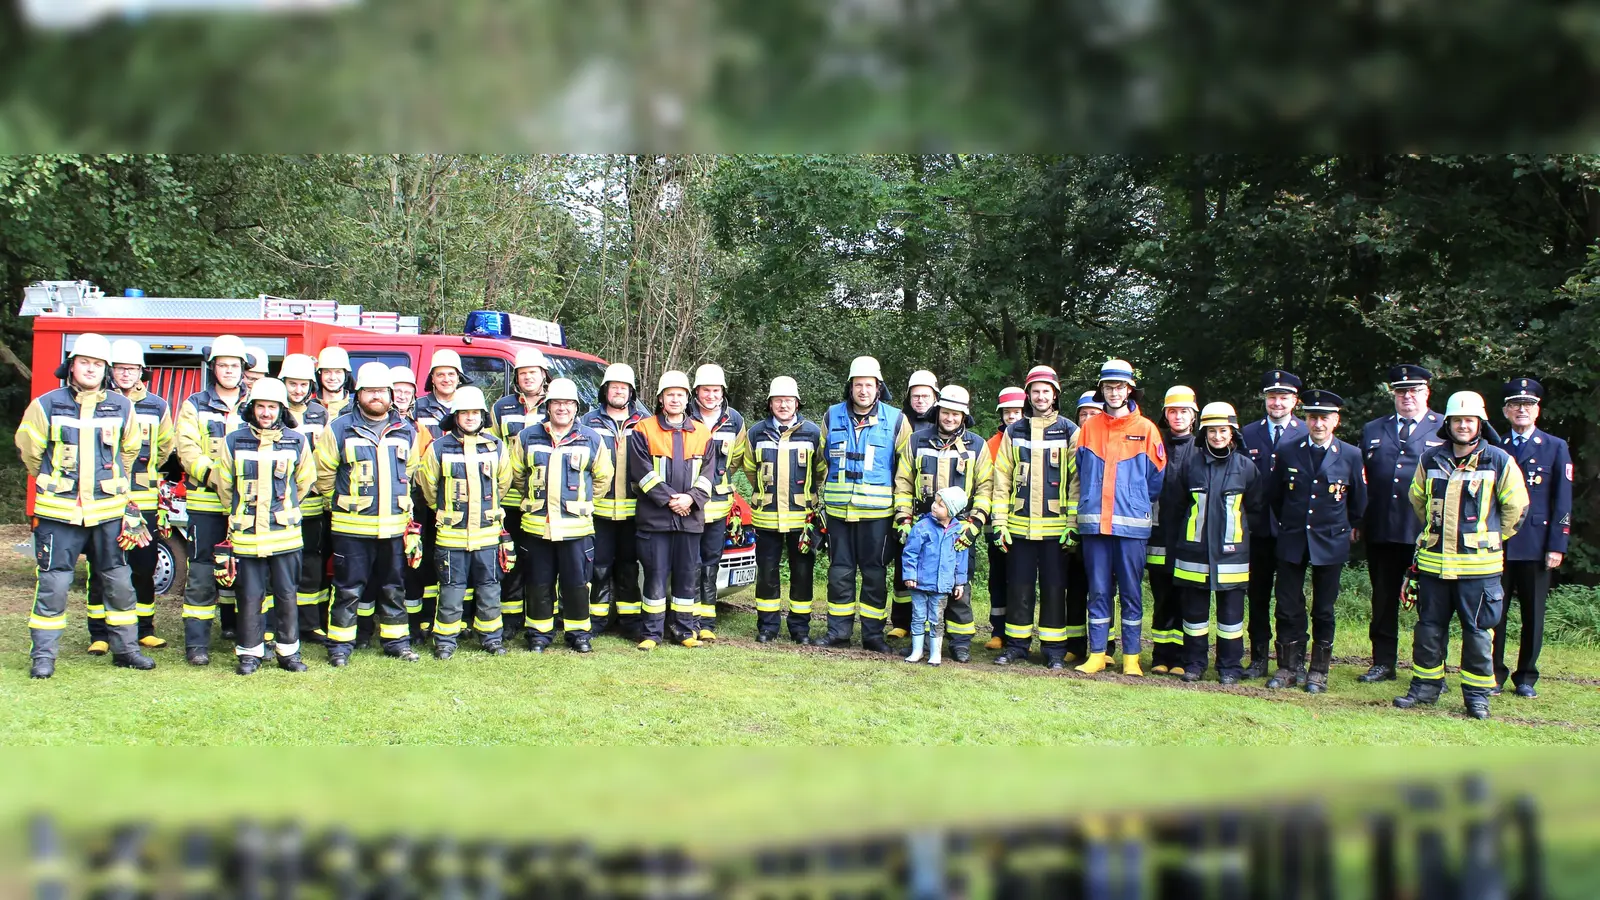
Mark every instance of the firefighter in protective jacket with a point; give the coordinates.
(784, 462)
(298, 372)
(523, 406)
(614, 587)
(78, 443)
(265, 471)
(711, 408)
(1470, 497)
(463, 477)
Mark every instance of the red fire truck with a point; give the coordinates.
(174, 333)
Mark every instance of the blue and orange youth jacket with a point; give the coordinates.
(1121, 462)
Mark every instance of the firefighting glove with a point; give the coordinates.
(1002, 539)
(508, 551)
(1069, 536)
(735, 527)
(413, 544)
(903, 525)
(163, 523)
(134, 532)
(227, 567)
(970, 530)
(1409, 589)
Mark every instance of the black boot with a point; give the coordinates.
(443, 651)
(135, 660)
(292, 663)
(876, 645)
(247, 665)
(1477, 706)
(1011, 656)
(963, 653)
(1321, 660)
(1420, 693)
(708, 597)
(494, 647)
(42, 668)
(580, 644)
(765, 637)
(1284, 677)
(1055, 658)
(197, 657)
(1259, 663)
(1378, 672)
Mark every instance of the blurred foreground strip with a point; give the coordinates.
(72, 14)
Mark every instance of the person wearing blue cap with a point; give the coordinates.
(1280, 390)
(1391, 446)
(1540, 545)
(934, 568)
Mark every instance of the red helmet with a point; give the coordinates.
(1042, 373)
(1012, 398)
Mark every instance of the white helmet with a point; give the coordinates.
(445, 359)
(562, 389)
(91, 346)
(955, 397)
(672, 378)
(465, 399)
(298, 365)
(1218, 414)
(258, 359)
(333, 358)
(126, 353)
(374, 375)
(1466, 403)
(228, 346)
(527, 358)
(403, 375)
(270, 389)
(923, 378)
(783, 386)
(710, 375)
(865, 367)
(620, 372)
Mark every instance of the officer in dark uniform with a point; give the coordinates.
(1391, 446)
(1540, 544)
(1318, 494)
(1279, 392)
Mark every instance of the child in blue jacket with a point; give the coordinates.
(934, 569)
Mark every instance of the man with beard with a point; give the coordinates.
(614, 587)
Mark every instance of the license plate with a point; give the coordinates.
(746, 575)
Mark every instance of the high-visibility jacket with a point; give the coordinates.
(156, 437)
(619, 502)
(1469, 508)
(335, 406)
(1172, 506)
(1221, 498)
(666, 459)
(312, 417)
(364, 470)
(428, 412)
(263, 476)
(786, 467)
(203, 421)
(559, 478)
(79, 447)
(932, 461)
(863, 452)
(727, 434)
(1114, 489)
(464, 479)
(507, 417)
(1031, 473)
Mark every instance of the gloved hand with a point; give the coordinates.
(1409, 589)
(164, 510)
(1069, 536)
(1002, 539)
(970, 530)
(735, 527)
(903, 525)
(227, 567)
(135, 533)
(412, 542)
(814, 536)
(508, 551)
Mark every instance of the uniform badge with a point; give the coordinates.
(1336, 490)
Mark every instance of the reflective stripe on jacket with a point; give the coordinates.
(79, 447)
(364, 472)
(203, 421)
(312, 418)
(932, 461)
(507, 417)
(263, 474)
(862, 457)
(666, 459)
(464, 478)
(727, 434)
(1221, 498)
(559, 479)
(1118, 478)
(1031, 475)
(156, 437)
(785, 467)
(618, 502)
(1469, 508)
(1172, 505)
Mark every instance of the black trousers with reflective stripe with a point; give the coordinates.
(1077, 602)
(1031, 564)
(1387, 565)
(1166, 616)
(458, 571)
(997, 588)
(1477, 603)
(206, 531)
(771, 547)
(861, 546)
(1528, 581)
(56, 546)
(362, 561)
(1263, 553)
(671, 561)
(1196, 600)
(616, 575)
(314, 580)
(142, 563)
(279, 574)
(568, 564)
(1292, 601)
(712, 542)
(900, 608)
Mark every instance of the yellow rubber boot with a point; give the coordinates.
(647, 645)
(1175, 670)
(896, 633)
(1130, 665)
(996, 642)
(691, 642)
(1095, 664)
(1070, 658)
(1159, 670)
(707, 635)
(99, 648)
(151, 642)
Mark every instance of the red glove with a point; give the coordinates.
(508, 551)
(413, 544)
(135, 533)
(1409, 589)
(227, 567)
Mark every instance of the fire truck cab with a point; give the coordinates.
(175, 333)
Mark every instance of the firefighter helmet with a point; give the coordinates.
(1011, 398)
(562, 389)
(91, 346)
(1466, 403)
(1044, 374)
(1087, 400)
(923, 378)
(672, 378)
(783, 386)
(127, 353)
(333, 358)
(228, 346)
(374, 376)
(620, 372)
(271, 390)
(865, 367)
(955, 397)
(403, 375)
(299, 366)
(710, 375)
(258, 360)
(1218, 414)
(527, 358)
(445, 359)
(1118, 370)
(468, 398)
(1183, 396)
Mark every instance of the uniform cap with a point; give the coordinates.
(445, 359)
(468, 398)
(91, 346)
(228, 346)
(1466, 403)
(865, 367)
(333, 358)
(620, 372)
(1320, 401)
(1280, 381)
(923, 378)
(271, 390)
(783, 386)
(527, 358)
(1180, 395)
(1087, 400)
(1408, 375)
(1044, 374)
(126, 353)
(710, 375)
(374, 375)
(672, 378)
(1118, 370)
(403, 375)
(1517, 390)
(562, 389)
(1012, 398)
(955, 397)
(1218, 414)
(298, 365)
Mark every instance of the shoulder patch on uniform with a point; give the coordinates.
(1569, 471)
(1161, 452)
